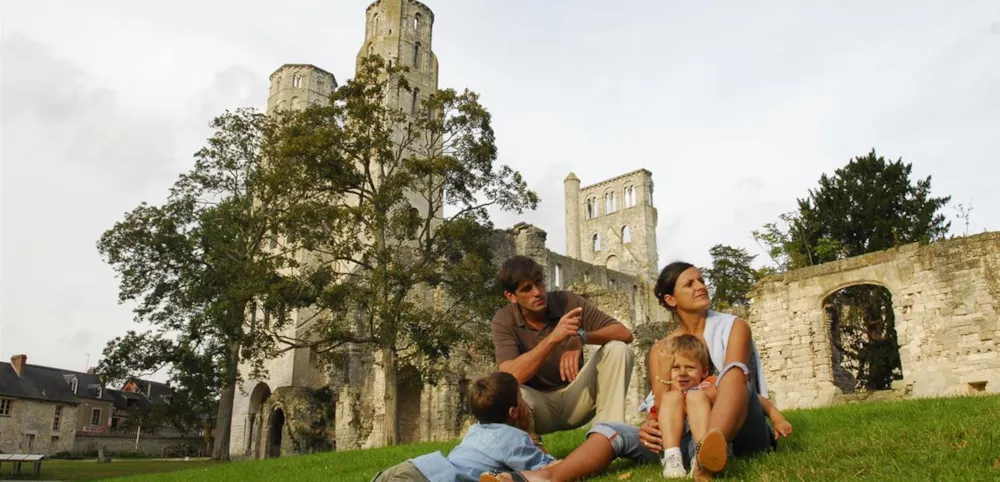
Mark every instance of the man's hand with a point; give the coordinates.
(568, 325)
(569, 364)
(649, 434)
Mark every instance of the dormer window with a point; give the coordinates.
(100, 392)
(73, 385)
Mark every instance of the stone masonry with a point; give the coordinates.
(615, 277)
(945, 296)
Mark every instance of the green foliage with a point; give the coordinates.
(731, 276)
(403, 264)
(200, 262)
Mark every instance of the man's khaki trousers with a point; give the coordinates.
(597, 394)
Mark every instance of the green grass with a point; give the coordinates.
(930, 439)
(91, 470)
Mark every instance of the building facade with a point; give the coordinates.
(302, 406)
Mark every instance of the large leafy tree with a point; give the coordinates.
(870, 204)
(731, 276)
(405, 257)
(207, 269)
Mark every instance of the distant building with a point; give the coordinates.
(46, 410)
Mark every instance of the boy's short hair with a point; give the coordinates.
(691, 346)
(517, 270)
(491, 397)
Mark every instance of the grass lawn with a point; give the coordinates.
(930, 439)
(91, 470)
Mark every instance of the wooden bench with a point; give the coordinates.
(17, 459)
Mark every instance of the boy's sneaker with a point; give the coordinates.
(673, 466)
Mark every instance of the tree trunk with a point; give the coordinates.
(224, 416)
(390, 423)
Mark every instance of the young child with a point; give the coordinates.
(499, 442)
(684, 409)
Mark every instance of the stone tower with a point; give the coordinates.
(613, 223)
(296, 86)
(400, 31)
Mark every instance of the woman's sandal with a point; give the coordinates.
(711, 452)
(495, 477)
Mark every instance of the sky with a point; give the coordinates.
(737, 108)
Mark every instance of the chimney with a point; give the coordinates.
(17, 363)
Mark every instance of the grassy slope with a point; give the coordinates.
(91, 470)
(931, 439)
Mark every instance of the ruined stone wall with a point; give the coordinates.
(152, 445)
(35, 418)
(945, 296)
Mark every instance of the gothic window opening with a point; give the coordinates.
(626, 234)
(591, 208)
(297, 80)
(416, 55)
(597, 241)
(558, 276)
(629, 195)
(416, 22)
(414, 100)
(609, 202)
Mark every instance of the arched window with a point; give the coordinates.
(629, 195)
(626, 234)
(590, 208)
(375, 25)
(414, 101)
(416, 55)
(609, 202)
(416, 22)
(597, 241)
(296, 103)
(558, 276)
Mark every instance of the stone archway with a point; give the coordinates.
(255, 420)
(945, 309)
(409, 404)
(863, 343)
(276, 426)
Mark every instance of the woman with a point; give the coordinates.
(736, 416)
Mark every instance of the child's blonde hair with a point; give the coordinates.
(690, 346)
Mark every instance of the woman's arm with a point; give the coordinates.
(730, 409)
(781, 426)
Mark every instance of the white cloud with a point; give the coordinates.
(736, 108)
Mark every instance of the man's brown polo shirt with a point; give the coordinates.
(513, 336)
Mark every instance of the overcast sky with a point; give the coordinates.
(737, 108)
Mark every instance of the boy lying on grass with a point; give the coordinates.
(683, 411)
(499, 442)
(691, 398)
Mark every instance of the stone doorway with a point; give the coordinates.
(255, 420)
(274, 433)
(863, 344)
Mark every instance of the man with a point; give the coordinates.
(539, 339)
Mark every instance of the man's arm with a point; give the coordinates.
(526, 365)
(601, 327)
(613, 332)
